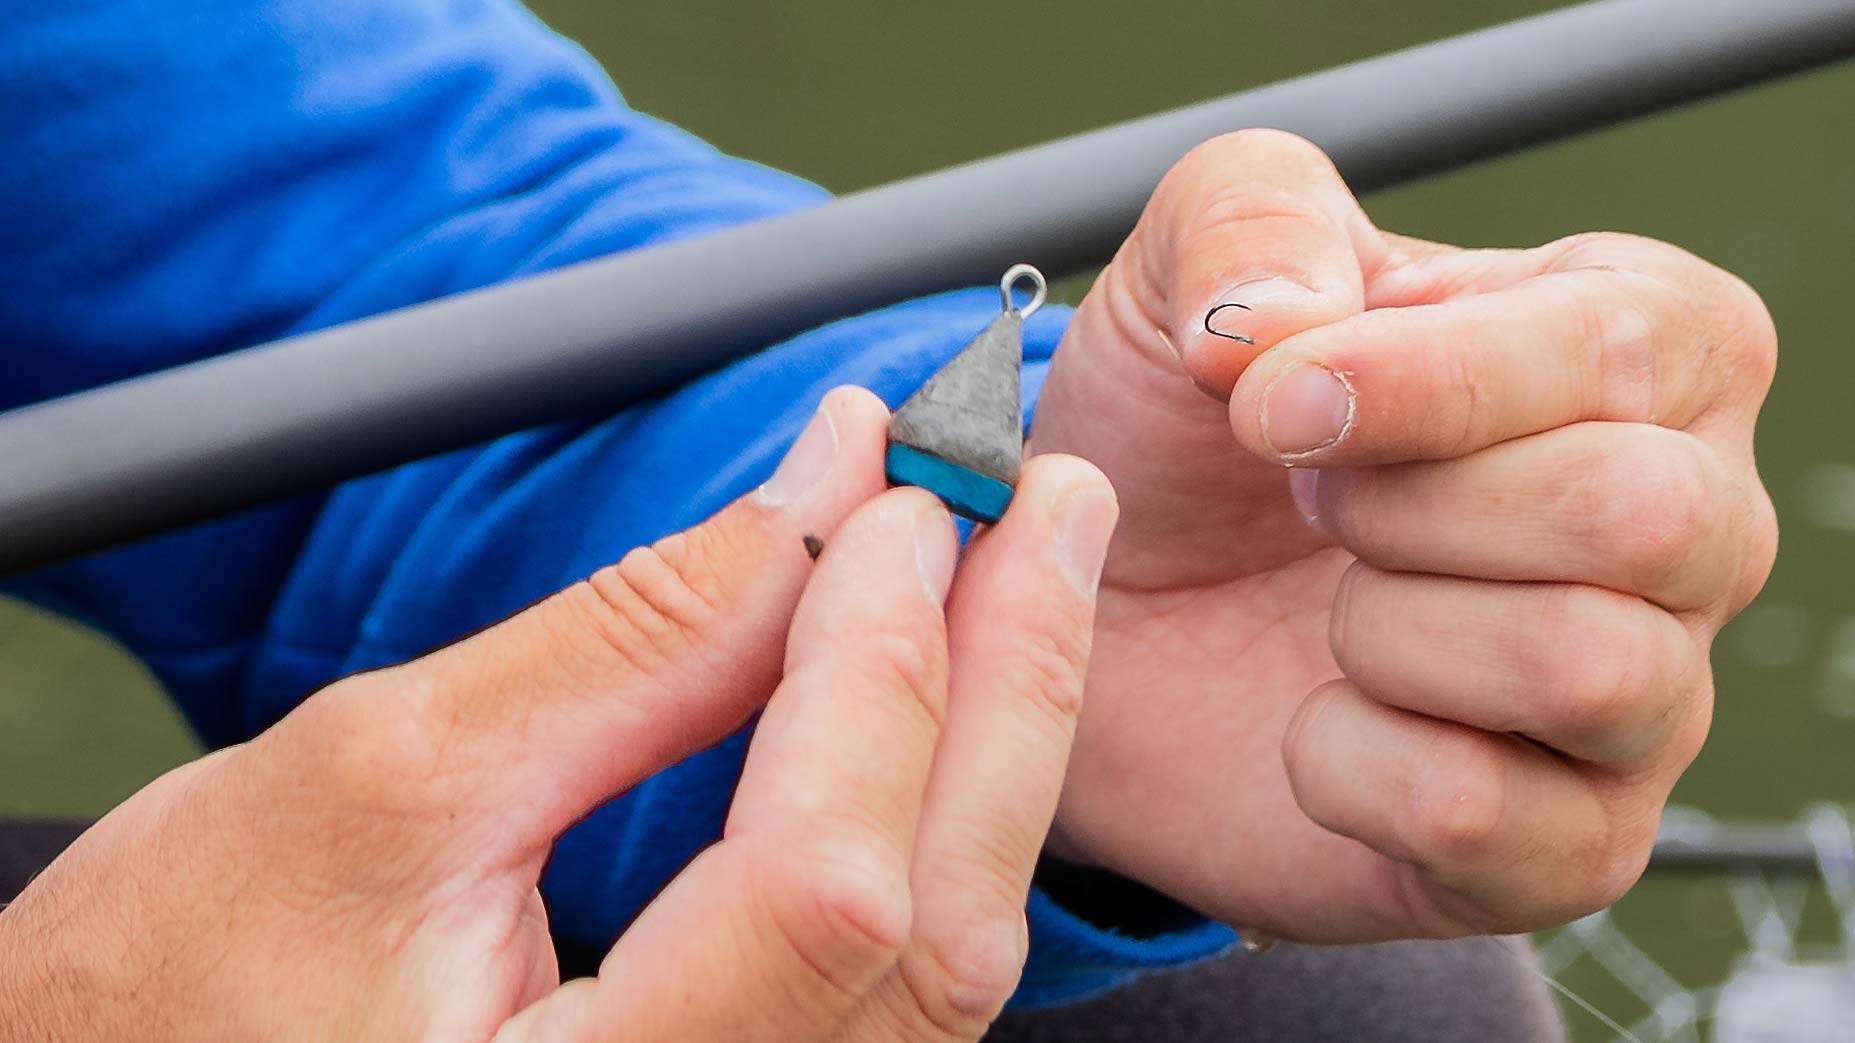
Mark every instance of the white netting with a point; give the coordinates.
(1780, 988)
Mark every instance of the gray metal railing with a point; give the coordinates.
(132, 459)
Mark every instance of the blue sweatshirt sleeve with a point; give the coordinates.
(189, 179)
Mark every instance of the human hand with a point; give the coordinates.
(1438, 676)
(367, 868)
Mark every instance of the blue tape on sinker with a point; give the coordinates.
(965, 492)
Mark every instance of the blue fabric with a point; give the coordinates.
(185, 179)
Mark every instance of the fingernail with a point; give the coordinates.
(1303, 485)
(1308, 407)
(1084, 524)
(935, 552)
(806, 463)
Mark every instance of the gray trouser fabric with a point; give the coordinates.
(1479, 990)
(1476, 991)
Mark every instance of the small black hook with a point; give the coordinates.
(1214, 331)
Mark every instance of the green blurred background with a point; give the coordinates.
(851, 94)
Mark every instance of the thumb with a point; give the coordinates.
(1261, 219)
(1250, 239)
(581, 696)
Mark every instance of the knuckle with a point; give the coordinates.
(1695, 718)
(1730, 316)
(364, 758)
(1604, 657)
(364, 766)
(1350, 599)
(906, 668)
(1435, 379)
(1462, 414)
(1620, 371)
(1750, 334)
(1650, 505)
(1690, 723)
(863, 913)
(1620, 855)
(1601, 251)
(842, 909)
(1301, 753)
(1760, 549)
(1048, 670)
(1460, 801)
(1607, 250)
(961, 977)
(1610, 882)
(1585, 248)
(655, 606)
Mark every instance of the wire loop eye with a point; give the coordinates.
(1039, 289)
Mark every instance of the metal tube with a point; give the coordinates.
(150, 454)
(1772, 848)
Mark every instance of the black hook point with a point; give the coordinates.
(1214, 331)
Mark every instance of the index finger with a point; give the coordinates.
(1608, 328)
(535, 721)
(779, 931)
(1020, 621)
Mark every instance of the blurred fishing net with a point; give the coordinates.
(1739, 933)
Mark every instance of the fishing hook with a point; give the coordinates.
(1214, 331)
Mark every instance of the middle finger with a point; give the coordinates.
(1636, 508)
(1601, 676)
